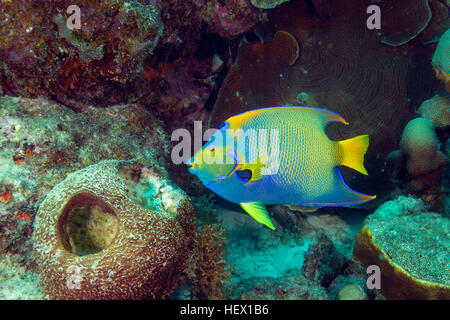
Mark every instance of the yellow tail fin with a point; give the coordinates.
(353, 151)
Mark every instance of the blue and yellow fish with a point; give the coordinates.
(284, 157)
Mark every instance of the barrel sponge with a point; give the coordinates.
(420, 145)
(113, 230)
(441, 59)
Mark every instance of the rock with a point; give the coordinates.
(290, 288)
(322, 261)
(352, 292)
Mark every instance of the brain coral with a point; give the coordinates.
(114, 230)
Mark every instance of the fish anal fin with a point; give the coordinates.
(258, 211)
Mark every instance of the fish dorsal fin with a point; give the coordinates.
(258, 211)
(325, 115)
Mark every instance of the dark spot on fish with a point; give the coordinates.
(244, 175)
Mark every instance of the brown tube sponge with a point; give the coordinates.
(114, 230)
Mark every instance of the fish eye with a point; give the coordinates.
(212, 150)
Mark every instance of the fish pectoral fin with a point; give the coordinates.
(258, 211)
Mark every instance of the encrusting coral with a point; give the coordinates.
(419, 164)
(124, 52)
(441, 60)
(410, 246)
(420, 145)
(114, 230)
(437, 109)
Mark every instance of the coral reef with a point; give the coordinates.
(439, 22)
(267, 4)
(403, 20)
(410, 246)
(94, 64)
(441, 60)
(231, 18)
(350, 282)
(208, 272)
(41, 142)
(118, 228)
(437, 109)
(147, 52)
(91, 207)
(365, 81)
